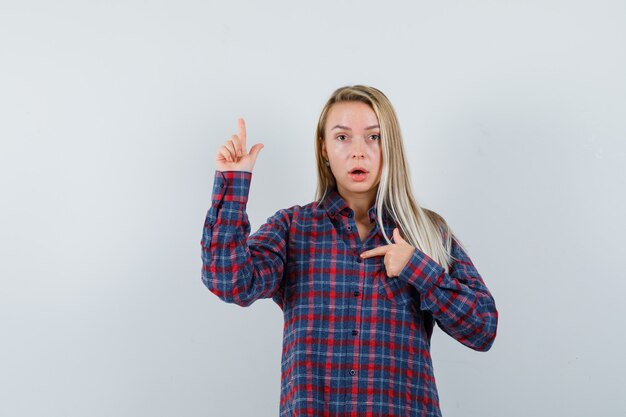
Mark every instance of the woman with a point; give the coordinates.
(361, 274)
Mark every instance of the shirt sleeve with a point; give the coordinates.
(236, 267)
(459, 301)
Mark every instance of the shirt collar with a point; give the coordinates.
(336, 205)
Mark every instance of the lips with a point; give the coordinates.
(358, 174)
(358, 170)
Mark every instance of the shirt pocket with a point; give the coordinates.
(394, 291)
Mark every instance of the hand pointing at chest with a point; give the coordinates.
(396, 255)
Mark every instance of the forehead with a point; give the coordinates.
(353, 114)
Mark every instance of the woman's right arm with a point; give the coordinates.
(237, 267)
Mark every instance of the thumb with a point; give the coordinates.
(396, 236)
(254, 151)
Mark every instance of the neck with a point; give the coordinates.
(360, 203)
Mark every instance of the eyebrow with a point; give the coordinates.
(347, 128)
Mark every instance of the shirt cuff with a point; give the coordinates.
(231, 186)
(422, 272)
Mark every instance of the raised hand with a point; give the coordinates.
(397, 254)
(233, 154)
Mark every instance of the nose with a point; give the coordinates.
(357, 150)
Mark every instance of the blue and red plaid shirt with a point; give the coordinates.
(355, 342)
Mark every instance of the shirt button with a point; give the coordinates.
(352, 372)
(222, 185)
(350, 214)
(358, 259)
(356, 293)
(349, 227)
(355, 332)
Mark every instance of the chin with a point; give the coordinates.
(359, 188)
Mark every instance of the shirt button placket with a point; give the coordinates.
(360, 267)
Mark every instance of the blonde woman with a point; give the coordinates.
(361, 274)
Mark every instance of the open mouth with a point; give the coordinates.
(358, 174)
(359, 171)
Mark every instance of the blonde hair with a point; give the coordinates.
(420, 227)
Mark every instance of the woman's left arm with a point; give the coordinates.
(459, 300)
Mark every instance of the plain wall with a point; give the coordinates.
(513, 115)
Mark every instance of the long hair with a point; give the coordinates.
(420, 227)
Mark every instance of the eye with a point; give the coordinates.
(342, 137)
(375, 137)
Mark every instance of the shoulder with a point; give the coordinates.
(439, 222)
(450, 240)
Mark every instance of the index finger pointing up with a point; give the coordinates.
(242, 134)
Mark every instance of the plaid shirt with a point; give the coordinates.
(355, 342)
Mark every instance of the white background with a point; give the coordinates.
(513, 115)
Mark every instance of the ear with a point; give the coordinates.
(324, 153)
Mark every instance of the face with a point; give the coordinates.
(352, 141)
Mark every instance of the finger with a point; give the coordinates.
(242, 133)
(225, 153)
(396, 236)
(379, 251)
(237, 145)
(231, 145)
(254, 151)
